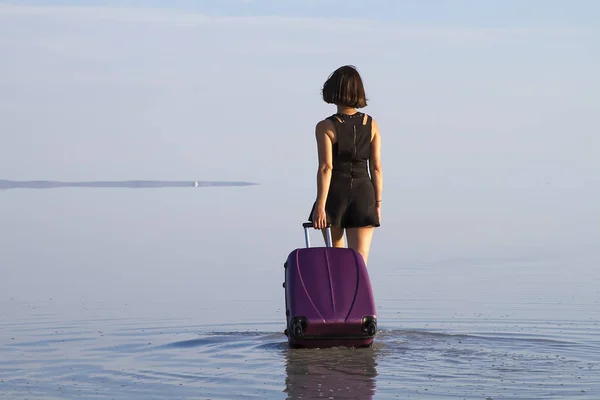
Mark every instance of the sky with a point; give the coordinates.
(106, 92)
(479, 95)
(488, 113)
(439, 12)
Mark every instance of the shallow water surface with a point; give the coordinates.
(130, 295)
(104, 358)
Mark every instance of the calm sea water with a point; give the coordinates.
(176, 293)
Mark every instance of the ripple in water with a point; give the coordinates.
(102, 359)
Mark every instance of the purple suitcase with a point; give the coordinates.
(328, 297)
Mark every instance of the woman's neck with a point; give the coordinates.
(346, 110)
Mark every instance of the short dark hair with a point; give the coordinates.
(344, 87)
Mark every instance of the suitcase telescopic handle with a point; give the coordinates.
(307, 225)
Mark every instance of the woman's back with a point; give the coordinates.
(352, 146)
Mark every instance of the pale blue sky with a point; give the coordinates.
(121, 93)
(488, 113)
(497, 97)
(448, 13)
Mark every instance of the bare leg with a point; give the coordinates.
(359, 239)
(337, 236)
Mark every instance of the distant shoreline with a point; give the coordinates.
(47, 184)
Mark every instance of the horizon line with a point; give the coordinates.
(49, 184)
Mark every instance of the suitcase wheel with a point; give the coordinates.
(283, 284)
(369, 325)
(298, 326)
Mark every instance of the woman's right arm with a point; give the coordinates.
(375, 163)
(323, 133)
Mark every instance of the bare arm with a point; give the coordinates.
(375, 162)
(324, 133)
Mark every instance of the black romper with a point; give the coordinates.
(351, 199)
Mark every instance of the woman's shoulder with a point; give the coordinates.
(374, 125)
(325, 127)
(369, 116)
(326, 123)
(369, 119)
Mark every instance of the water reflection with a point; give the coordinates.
(5, 184)
(330, 373)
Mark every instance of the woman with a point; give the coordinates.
(348, 145)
